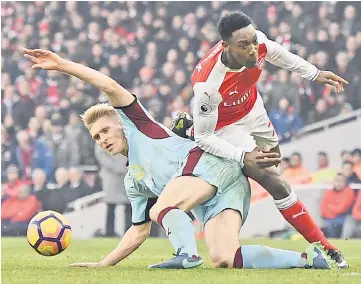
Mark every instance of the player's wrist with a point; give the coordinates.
(103, 263)
(241, 157)
(63, 65)
(316, 75)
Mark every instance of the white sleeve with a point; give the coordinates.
(205, 116)
(281, 57)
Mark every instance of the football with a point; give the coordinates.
(49, 233)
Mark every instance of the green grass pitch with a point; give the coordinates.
(21, 264)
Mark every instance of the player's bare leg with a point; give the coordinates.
(179, 196)
(290, 206)
(222, 237)
(222, 240)
(184, 192)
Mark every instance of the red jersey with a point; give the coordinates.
(223, 96)
(237, 87)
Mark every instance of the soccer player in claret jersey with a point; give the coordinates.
(230, 120)
(168, 176)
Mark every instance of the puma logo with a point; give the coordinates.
(299, 214)
(209, 96)
(235, 92)
(169, 232)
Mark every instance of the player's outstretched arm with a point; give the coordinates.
(132, 240)
(47, 60)
(281, 57)
(205, 115)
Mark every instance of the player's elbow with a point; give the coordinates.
(112, 88)
(202, 141)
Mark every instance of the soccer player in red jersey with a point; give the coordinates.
(230, 119)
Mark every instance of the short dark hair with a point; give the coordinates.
(297, 154)
(322, 153)
(345, 152)
(356, 151)
(348, 163)
(285, 159)
(341, 175)
(231, 22)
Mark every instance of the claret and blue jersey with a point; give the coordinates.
(155, 152)
(156, 155)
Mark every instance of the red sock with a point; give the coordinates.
(298, 216)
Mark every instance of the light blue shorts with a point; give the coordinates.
(236, 197)
(233, 188)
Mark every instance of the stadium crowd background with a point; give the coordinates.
(152, 49)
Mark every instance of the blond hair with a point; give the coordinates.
(92, 114)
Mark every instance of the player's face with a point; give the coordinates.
(243, 47)
(108, 133)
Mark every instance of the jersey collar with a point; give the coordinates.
(227, 68)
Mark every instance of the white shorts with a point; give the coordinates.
(255, 129)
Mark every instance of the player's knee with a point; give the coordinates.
(273, 182)
(273, 176)
(217, 258)
(154, 212)
(265, 176)
(221, 259)
(224, 262)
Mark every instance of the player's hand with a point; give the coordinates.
(181, 124)
(261, 158)
(44, 59)
(329, 78)
(86, 264)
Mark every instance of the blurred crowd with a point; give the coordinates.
(150, 48)
(294, 171)
(340, 205)
(21, 199)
